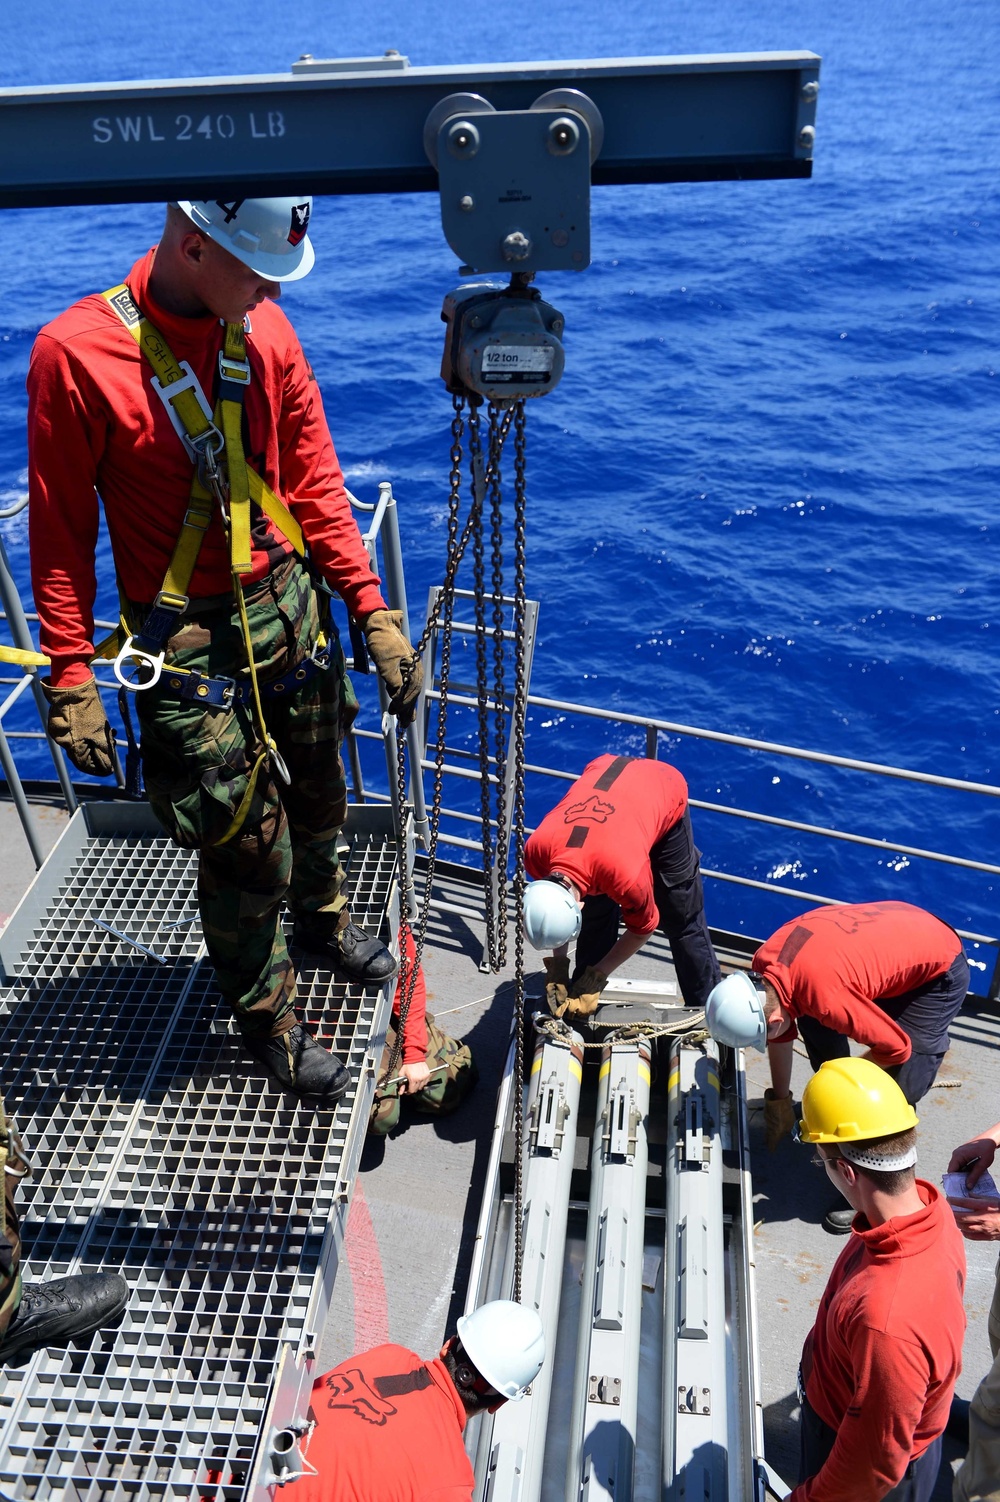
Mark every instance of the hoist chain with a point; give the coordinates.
(409, 968)
(499, 960)
(486, 481)
(482, 708)
(517, 823)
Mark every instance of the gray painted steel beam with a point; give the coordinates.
(666, 119)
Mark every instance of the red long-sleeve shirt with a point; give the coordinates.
(388, 1429)
(96, 426)
(601, 834)
(834, 964)
(415, 1034)
(881, 1362)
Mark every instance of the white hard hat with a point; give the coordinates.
(734, 1012)
(266, 234)
(506, 1344)
(552, 915)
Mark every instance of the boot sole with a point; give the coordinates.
(37, 1341)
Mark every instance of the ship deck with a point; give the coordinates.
(128, 1193)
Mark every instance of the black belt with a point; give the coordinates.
(224, 693)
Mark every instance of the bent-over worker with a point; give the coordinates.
(879, 1366)
(183, 400)
(617, 847)
(389, 1425)
(887, 974)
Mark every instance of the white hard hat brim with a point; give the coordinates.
(290, 266)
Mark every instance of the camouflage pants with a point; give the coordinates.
(197, 764)
(10, 1240)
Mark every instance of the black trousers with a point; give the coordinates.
(817, 1439)
(681, 905)
(924, 1014)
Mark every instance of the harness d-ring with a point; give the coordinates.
(142, 662)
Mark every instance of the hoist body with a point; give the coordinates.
(503, 343)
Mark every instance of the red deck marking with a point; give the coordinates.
(371, 1305)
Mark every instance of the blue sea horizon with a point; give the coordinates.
(762, 499)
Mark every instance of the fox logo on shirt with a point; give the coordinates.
(589, 810)
(300, 223)
(351, 1390)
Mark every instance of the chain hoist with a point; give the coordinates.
(502, 347)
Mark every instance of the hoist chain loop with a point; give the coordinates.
(409, 968)
(518, 824)
(490, 849)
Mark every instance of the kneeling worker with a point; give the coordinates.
(388, 1425)
(879, 1366)
(619, 845)
(887, 974)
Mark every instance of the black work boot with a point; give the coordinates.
(296, 1062)
(50, 1314)
(355, 953)
(839, 1220)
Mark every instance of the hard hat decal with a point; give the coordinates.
(300, 222)
(230, 207)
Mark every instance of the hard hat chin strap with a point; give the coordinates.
(855, 1152)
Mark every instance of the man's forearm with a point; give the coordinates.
(779, 1057)
(628, 945)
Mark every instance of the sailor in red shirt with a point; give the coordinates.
(886, 974)
(388, 1426)
(880, 1364)
(214, 759)
(617, 846)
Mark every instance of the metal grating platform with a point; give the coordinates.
(161, 1152)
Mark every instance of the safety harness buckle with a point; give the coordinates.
(169, 394)
(134, 659)
(233, 369)
(320, 655)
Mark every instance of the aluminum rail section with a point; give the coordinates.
(513, 1446)
(602, 1439)
(644, 1287)
(667, 119)
(162, 1152)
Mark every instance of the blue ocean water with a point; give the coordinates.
(762, 500)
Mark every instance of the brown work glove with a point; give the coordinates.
(556, 983)
(399, 667)
(779, 1118)
(585, 992)
(78, 724)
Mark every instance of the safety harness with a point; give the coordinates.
(208, 437)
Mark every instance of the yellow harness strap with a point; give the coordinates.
(190, 407)
(245, 484)
(24, 659)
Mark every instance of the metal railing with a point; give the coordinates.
(384, 529)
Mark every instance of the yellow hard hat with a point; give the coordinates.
(853, 1100)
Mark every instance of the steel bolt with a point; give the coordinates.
(559, 238)
(807, 137)
(463, 139)
(564, 136)
(467, 203)
(809, 91)
(475, 321)
(516, 246)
